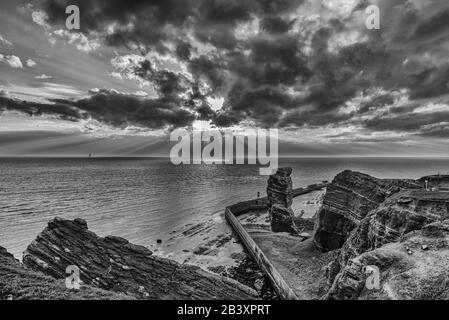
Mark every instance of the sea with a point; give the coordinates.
(173, 210)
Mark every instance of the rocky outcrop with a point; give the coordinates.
(282, 219)
(348, 200)
(400, 214)
(19, 283)
(114, 264)
(280, 198)
(415, 268)
(280, 188)
(402, 236)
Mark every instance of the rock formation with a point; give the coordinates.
(114, 264)
(280, 190)
(282, 219)
(405, 236)
(415, 268)
(19, 283)
(348, 199)
(280, 198)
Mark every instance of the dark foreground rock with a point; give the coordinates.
(19, 283)
(114, 264)
(247, 271)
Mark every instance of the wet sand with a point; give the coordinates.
(212, 246)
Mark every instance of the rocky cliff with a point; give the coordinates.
(414, 268)
(348, 200)
(19, 283)
(114, 264)
(404, 236)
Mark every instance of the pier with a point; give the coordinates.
(260, 245)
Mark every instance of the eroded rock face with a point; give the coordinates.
(282, 219)
(114, 264)
(280, 190)
(280, 198)
(348, 200)
(416, 268)
(400, 227)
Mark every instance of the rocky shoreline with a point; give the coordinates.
(114, 264)
(399, 227)
(111, 268)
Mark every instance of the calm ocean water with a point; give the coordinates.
(148, 199)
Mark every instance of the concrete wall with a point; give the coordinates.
(231, 214)
(280, 285)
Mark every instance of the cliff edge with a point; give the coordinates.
(114, 264)
(395, 232)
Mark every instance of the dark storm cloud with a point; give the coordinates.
(275, 77)
(377, 103)
(213, 70)
(61, 111)
(273, 63)
(436, 131)
(407, 122)
(109, 107)
(433, 26)
(265, 106)
(276, 25)
(432, 82)
(151, 18)
(313, 118)
(121, 110)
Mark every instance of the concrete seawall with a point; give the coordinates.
(231, 214)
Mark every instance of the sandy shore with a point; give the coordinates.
(212, 246)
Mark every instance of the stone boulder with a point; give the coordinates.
(114, 264)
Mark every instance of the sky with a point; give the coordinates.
(136, 70)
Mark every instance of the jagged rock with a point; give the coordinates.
(280, 198)
(348, 200)
(19, 283)
(280, 190)
(421, 276)
(390, 223)
(282, 219)
(305, 236)
(114, 264)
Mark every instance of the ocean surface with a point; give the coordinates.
(144, 200)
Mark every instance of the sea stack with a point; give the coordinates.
(280, 198)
